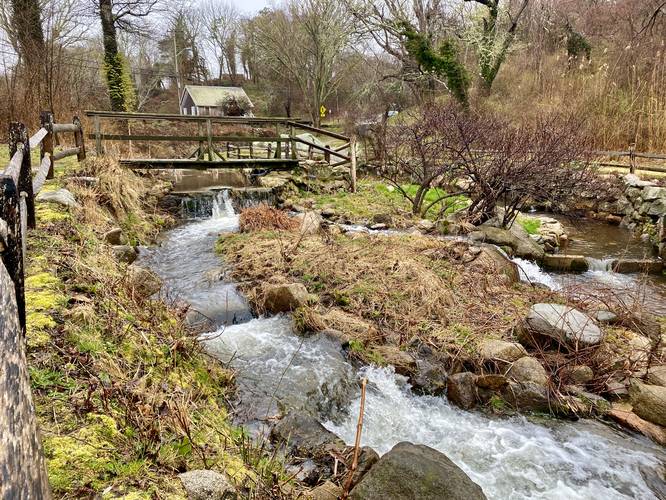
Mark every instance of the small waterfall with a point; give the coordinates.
(222, 206)
(605, 265)
(532, 273)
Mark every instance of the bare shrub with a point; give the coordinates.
(493, 162)
(262, 217)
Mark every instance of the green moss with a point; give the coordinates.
(530, 224)
(47, 212)
(84, 459)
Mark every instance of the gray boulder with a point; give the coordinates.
(632, 180)
(60, 196)
(461, 390)
(565, 324)
(412, 471)
(285, 298)
(207, 485)
(521, 244)
(528, 370)
(648, 401)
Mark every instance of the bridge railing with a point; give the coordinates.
(23, 469)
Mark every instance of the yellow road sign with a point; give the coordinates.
(322, 111)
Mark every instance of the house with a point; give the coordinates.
(206, 100)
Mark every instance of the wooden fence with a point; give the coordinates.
(22, 471)
(276, 152)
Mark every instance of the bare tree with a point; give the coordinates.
(221, 24)
(306, 41)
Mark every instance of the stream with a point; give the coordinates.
(277, 371)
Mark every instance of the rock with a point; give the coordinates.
(649, 266)
(114, 236)
(60, 196)
(144, 281)
(426, 225)
(621, 413)
(206, 485)
(310, 222)
(124, 253)
(632, 180)
(285, 298)
(336, 336)
(581, 374)
(648, 401)
(430, 378)
(575, 263)
(328, 212)
(490, 256)
(586, 402)
(326, 491)
(304, 435)
(528, 370)
(491, 382)
(461, 390)
(603, 316)
(657, 375)
(653, 193)
(527, 396)
(565, 324)
(501, 350)
(366, 459)
(378, 227)
(385, 219)
(410, 471)
(404, 363)
(306, 472)
(522, 245)
(616, 389)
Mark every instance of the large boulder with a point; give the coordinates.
(412, 471)
(285, 298)
(207, 485)
(521, 244)
(565, 324)
(648, 401)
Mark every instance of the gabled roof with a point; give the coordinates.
(208, 95)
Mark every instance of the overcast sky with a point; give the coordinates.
(250, 6)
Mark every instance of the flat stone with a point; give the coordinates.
(206, 485)
(60, 196)
(649, 266)
(623, 414)
(603, 316)
(632, 180)
(575, 263)
(564, 323)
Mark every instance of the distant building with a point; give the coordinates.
(205, 100)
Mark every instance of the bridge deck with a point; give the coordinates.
(260, 163)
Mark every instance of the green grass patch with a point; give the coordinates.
(530, 224)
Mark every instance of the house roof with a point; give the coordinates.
(208, 95)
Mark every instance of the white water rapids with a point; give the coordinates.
(277, 371)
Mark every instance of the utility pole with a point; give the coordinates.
(175, 62)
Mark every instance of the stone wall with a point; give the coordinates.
(640, 206)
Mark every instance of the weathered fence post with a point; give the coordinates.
(11, 256)
(352, 155)
(46, 146)
(209, 135)
(22, 470)
(632, 158)
(98, 136)
(18, 137)
(327, 154)
(78, 139)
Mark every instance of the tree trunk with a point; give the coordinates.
(112, 62)
(27, 21)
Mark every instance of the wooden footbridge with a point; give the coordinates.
(263, 144)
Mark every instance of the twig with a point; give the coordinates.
(357, 442)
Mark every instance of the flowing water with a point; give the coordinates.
(278, 370)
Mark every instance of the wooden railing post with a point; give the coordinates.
(632, 158)
(46, 146)
(209, 136)
(13, 244)
(18, 138)
(352, 156)
(79, 140)
(327, 154)
(98, 136)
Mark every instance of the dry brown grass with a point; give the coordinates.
(264, 218)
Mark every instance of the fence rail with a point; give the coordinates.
(23, 471)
